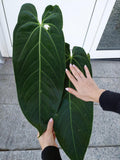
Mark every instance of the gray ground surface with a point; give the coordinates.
(18, 137)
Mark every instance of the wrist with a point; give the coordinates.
(97, 95)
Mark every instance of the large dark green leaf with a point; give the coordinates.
(73, 123)
(39, 63)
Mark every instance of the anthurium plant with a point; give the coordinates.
(40, 56)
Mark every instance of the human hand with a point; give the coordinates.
(86, 88)
(48, 137)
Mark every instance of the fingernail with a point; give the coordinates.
(66, 89)
(85, 65)
(66, 69)
(73, 65)
(51, 119)
(70, 64)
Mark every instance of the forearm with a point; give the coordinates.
(110, 101)
(51, 153)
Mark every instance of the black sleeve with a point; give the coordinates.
(110, 101)
(51, 153)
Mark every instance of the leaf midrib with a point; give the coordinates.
(71, 120)
(39, 71)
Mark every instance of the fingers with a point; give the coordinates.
(87, 72)
(72, 79)
(79, 72)
(50, 125)
(74, 72)
(72, 91)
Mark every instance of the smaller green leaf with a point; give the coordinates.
(82, 58)
(73, 121)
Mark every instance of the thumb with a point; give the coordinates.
(50, 125)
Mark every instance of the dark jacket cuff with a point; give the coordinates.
(51, 153)
(110, 101)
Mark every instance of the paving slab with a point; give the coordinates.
(105, 68)
(17, 133)
(109, 153)
(103, 153)
(7, 67)
(8, 93)
(106, 128)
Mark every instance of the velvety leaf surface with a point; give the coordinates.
(39, 63)
(73, 123)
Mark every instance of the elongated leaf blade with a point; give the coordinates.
(74, 120)
(39, 63)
